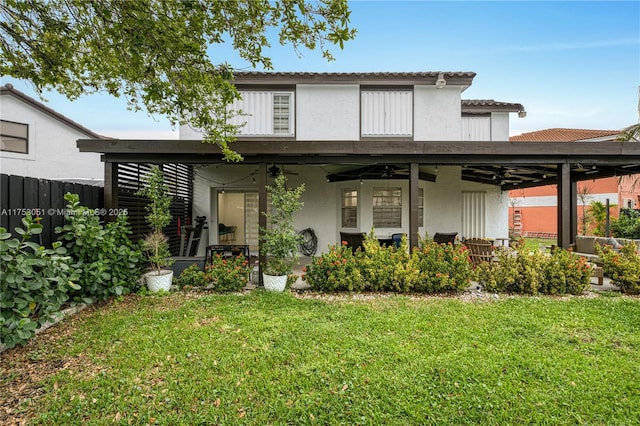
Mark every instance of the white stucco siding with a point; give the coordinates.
(201, 207)
(437, 113)
(328, 112)
(53, 153)
(322, 201)
(443, 210)
(319, 197)
(500, 126)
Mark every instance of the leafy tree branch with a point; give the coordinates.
(155, 52)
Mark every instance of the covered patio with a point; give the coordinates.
(508, 165)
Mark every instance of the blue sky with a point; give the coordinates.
(571, 64)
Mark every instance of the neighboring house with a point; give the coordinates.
(314, 108)
(41, 143)
(533, 211)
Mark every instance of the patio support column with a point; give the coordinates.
(110, 188)
(574, 212)
(564, 205)
(262, 209)
(413, 204)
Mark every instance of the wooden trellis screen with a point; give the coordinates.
(179, 179)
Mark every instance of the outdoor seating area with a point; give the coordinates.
(480, 250)
(445, 237)
(353, 239)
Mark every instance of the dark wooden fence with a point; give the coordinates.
(44, 199)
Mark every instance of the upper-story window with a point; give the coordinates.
(387, 113)
(15, 137)
(264, 113)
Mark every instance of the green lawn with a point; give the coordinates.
(264, 358)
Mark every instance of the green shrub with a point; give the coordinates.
(34, 283)
(191, 276)
(518, 271)
(433, 268)
(442, 267)
(227, 274)
(565, 272)
(386, 268)
(623, 267)
(627, 225)
(336, 270)
(534, 272)
(108, 262)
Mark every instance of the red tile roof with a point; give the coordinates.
(563, 135)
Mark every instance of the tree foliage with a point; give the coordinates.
(155, 52)
(630, 134)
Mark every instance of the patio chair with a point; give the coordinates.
(445, 237)
(396, 239)
(353, 239)
(479, 250)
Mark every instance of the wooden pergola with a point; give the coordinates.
(510, 165)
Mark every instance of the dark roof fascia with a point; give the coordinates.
(424, 152)
(463, 79)
(8, 89)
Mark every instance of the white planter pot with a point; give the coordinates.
(274, 283)
(157, 282)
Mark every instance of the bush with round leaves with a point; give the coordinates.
(108, 262)
(35, 282)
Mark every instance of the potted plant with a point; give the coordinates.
(280, 241)
(156, 244)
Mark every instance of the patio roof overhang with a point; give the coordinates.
(510, 165)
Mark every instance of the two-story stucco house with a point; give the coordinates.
(362, 108)
(394, 152)
(41, 143)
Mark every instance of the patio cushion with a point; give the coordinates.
(585, 244)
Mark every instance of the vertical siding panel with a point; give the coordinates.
(473, 215)
(476, 128)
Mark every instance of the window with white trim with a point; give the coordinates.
(387, 207)
(264, 113)
(349, 208)
(14, 136)
(281, 113)
(387, 113)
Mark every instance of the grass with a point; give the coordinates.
(539, 243)
(263, 358)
